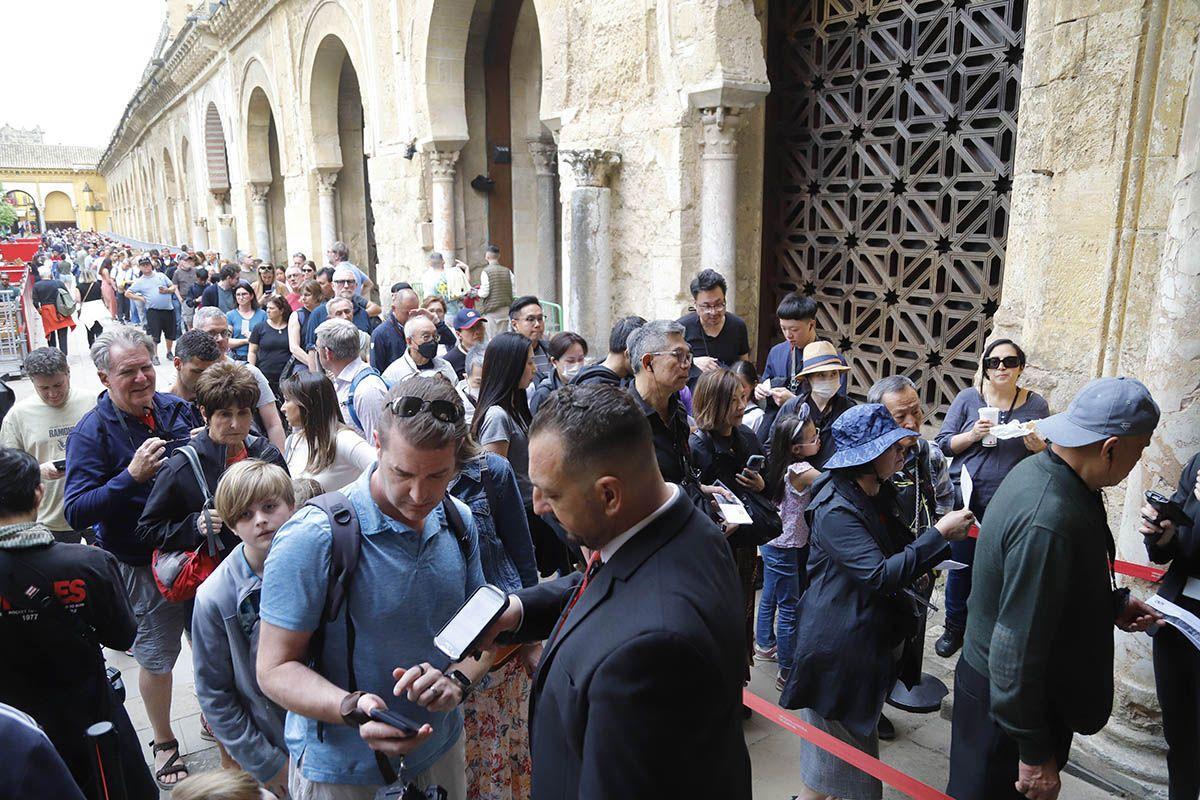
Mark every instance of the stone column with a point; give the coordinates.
(177, 218)
(200, 233)
(1133, 737)
(589, 306)
(545, 165)
(326, 178)
(718, 195)
(226, 235)
(441, 173)
(258, 220)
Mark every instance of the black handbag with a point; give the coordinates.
(767, 524)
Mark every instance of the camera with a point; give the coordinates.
(410, 791)
(114, 680)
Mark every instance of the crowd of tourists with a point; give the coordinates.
(327, 482)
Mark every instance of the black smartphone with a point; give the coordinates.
(397, 721)
(60, 464)
(1167, 509)
(458, 636)
(756, 463)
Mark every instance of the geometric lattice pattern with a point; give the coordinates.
(895, 124)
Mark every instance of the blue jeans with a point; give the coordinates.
(958, 585)
(783, 580)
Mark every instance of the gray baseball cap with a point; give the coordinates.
(1105, 407)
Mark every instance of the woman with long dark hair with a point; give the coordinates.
(966, 437)
(243, 319)
(501, 426)
(320, 446)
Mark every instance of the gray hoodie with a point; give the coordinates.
(224, 646)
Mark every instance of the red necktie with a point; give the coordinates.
(593, 566)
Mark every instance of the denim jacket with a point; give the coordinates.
(505, 546)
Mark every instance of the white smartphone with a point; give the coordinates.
(482, 608)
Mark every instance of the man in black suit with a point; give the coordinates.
(638, 693)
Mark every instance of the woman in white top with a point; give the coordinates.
(320, 446)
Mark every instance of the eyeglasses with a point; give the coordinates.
(800, 430)
(344, 281)
(442, 410)
(538, 320)
(710, 308)
(1009, 362)
(309, 270)
(682, 356)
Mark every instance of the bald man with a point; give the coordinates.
(387, 340)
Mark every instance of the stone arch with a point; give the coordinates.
(443, 62)
(186, 178)
(171, 185)
(258, 110)
(22, 200)
(330, 40)
(58, 209)
(215, 150)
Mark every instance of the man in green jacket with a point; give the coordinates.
(1037, 662)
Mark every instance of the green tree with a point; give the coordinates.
(8, 216)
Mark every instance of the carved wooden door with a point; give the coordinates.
(891, 131)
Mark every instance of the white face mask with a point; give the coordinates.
(824, 387)
(571, 370)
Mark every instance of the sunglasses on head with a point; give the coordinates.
(442, 410)
(1009, 362)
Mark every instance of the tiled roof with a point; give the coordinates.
(48, 156)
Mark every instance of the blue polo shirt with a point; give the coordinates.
(407, 585)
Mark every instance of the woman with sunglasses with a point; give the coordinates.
(320, 446)
(964, 437)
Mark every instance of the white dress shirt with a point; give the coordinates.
(609, 550)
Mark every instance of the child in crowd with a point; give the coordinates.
(221, 784)
(746, 373)
(789, 483)
(254, 499)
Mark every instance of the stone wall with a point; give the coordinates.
(1103, 274)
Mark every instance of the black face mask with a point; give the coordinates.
(428, 350)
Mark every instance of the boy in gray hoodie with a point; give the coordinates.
(254, 499)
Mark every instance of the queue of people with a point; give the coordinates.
(334, 508)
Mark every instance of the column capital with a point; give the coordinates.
(442, 163)
(720, 124)
(326, 178)
(590, 166)
(258, 192)
(545, 156)
(220, 196)
(225, 220)
(201, 221)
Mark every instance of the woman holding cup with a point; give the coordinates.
(966, 438)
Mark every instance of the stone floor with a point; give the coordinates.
(920, 749)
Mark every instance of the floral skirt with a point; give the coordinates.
(496, 730)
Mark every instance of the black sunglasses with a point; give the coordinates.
(1010, 362)
(442, 410)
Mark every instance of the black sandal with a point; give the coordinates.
(173, 766)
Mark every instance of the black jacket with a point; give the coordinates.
(50, 671)
(639, 695)
(545, 387)
(854, 614)
(1183, 551)
(718, 460)
(169, 521)
(838, 404)
(598, 373)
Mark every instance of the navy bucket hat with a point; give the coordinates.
(862, 434)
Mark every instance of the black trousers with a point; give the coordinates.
(1177, 678)
(160, 323)
(983, 759)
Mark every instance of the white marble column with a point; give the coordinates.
(200, 233)
(226, 234)
(441, 174)
(589, 305)
(258, 220)
(718, 195)
(545, 165)
(326, 179)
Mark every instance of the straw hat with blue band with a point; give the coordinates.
(862, 434)
(821, 357)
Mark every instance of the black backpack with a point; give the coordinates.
(343, 561)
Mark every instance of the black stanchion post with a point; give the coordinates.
(106, 760)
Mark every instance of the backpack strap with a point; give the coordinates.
(457, 526)
(353, 386)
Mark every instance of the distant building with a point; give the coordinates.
(51, 185)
